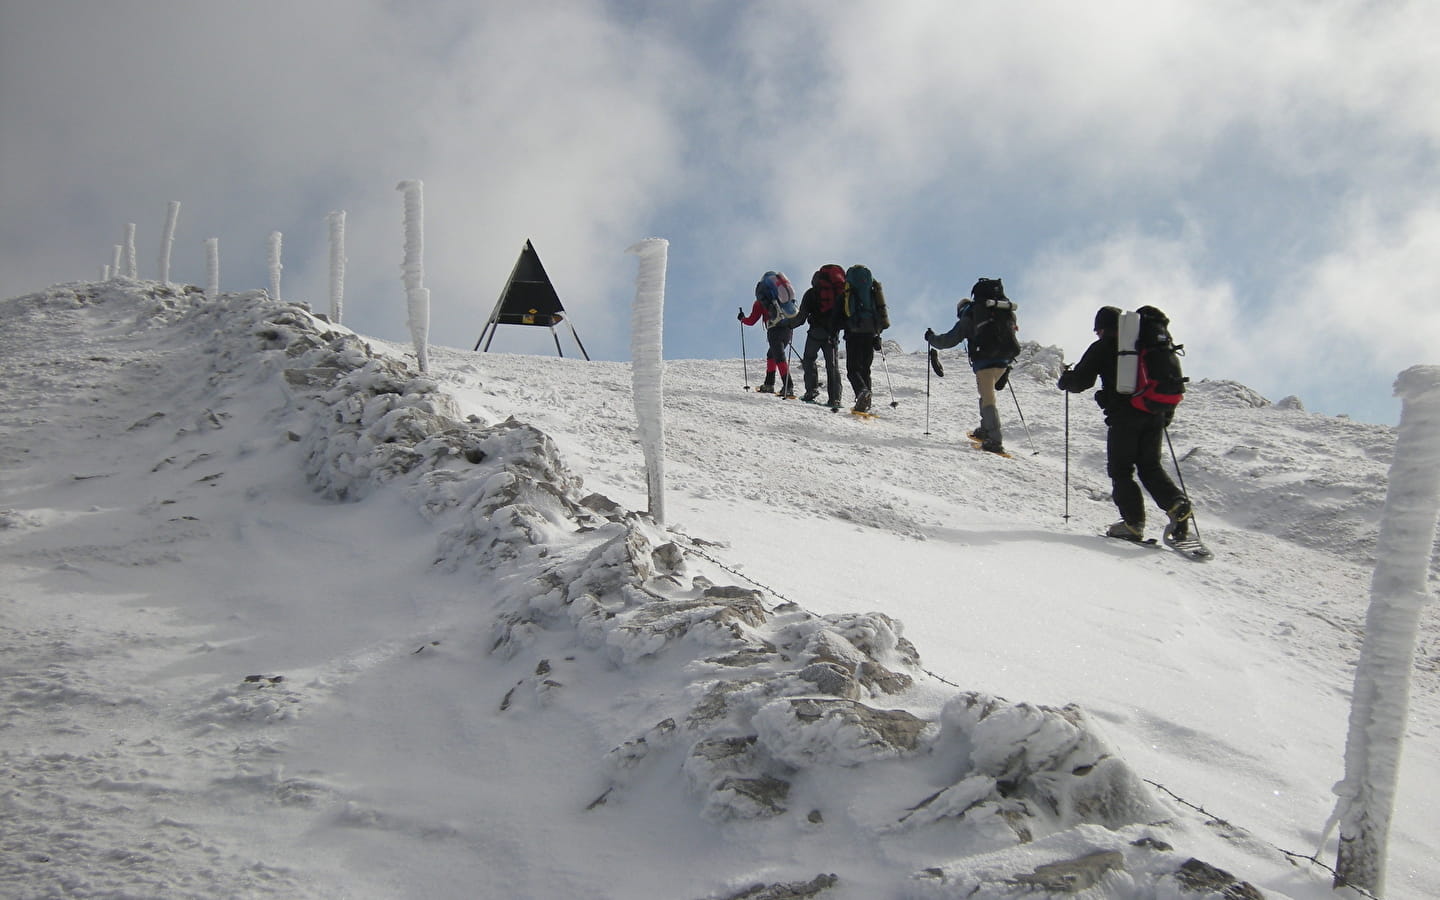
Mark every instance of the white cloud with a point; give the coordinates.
(934, 141)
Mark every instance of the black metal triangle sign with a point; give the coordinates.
(528, 299)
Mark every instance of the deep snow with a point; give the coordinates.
(285, 619)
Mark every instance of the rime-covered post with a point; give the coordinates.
(273, 258)
(115, 270)
(647, 364)
(1387, 657)
(417, 297)
(105, 272)
(212, 269)
(132, 271)
(167, 240)
(337, 264)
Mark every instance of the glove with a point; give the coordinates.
(1061, 383)
(740, 316)
(1003, 380)
(929, 335)
(877, 342)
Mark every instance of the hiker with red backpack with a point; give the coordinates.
(1137, 416)
(986, 322)
(775, 304)
(822, 307)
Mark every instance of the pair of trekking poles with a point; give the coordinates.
(939, 370)
(745, 362)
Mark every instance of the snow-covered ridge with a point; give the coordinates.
(769, 696)
(691, 688)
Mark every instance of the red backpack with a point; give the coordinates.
(829, 284)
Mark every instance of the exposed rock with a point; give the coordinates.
(1203, 878)
(795, 890)
(1073, 876)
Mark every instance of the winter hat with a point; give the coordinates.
(1107, 318)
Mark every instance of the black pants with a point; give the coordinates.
(859, 357)
(1133, 447)
(817, 342)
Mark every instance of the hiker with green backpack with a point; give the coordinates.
(865, 318)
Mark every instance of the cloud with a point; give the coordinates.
(1218, 154)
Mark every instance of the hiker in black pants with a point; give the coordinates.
(1134, 439)
(865, 317)
(823, 307)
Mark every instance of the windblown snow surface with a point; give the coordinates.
(284, 618)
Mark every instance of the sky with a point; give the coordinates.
(281, 617)
(1265, 174)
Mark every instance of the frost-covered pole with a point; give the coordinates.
(647, 365)
(115, 270)
(167, 240)
(337, 264)
(273, 258)
(131, 270)
(105, 273)
(417, 298)
(1397, 594)
(212, 269)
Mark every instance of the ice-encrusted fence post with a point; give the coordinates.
(417, 297)
(131, 270)
(212, 269)
(647, 364)
(167, 239)
(273, 257)
(115, 270)
(1387, 657)
(337, 264)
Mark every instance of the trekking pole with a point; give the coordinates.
(743, 361)
(1066, 517)
(1028, 437)
(927, 395)
(886, 366)
(1183, 490)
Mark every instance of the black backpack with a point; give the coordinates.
(993, 315)
(1159, 381)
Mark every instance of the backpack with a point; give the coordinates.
(993, 314)
(775, 292)
(1148, 362)
(829, 284)
(864, 302)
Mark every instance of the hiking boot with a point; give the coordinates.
(992, 446)
(809, 396)
(767, 388)
(787, 389)
(834, 403)
(1123, 529)
(1178, 528)
(862, 402)
(980, 434)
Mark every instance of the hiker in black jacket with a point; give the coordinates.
(823, 307)
(1133, 442)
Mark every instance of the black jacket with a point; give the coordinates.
(828, 323)
(1099, 361)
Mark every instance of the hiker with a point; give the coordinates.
(986, 322)
(774, 303)
(822, 307)
(865, 318)
(1133, 441)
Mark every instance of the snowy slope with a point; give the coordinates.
(283, 618)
